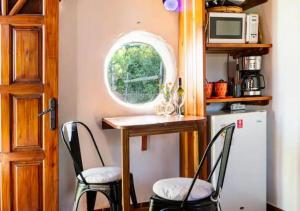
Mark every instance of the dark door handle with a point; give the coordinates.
(52, 111)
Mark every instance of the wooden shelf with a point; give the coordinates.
(245, 6)
(238, 49)
(252, 3)
(235, 46)
(261, 100)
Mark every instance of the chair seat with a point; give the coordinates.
(177, 188)
(101, 175)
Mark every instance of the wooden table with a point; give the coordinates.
(132, 126)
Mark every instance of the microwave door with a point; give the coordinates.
(227, 29)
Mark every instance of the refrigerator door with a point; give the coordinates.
(245, 180)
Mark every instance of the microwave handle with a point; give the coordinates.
(262, 81)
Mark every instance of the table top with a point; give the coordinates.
(134, 122)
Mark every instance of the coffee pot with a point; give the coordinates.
(253, 84)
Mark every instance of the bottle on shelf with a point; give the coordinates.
(179, 98)
(180, 90)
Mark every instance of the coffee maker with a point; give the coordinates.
(252, 81)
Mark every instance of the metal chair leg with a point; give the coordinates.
(115, 198)
(79, 191)
(152, 205)
(115, 206)
(90, 200)
(132, 192)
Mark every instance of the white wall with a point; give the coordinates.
(87, 31)
(282, 20)
(67, 95)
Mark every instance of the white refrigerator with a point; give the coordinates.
(245, 179)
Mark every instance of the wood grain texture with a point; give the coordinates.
(157, 130)
(5, 54)
(22, 88)
(192, 70)
(236, 45)
(252, 3)
(51, 90)
(125, 170)
(6, 180)
(35, 155)
(29, 78)
(24, 173)
(24, 19)
(238, 48)
(227, 9)
(4, 7)
(5, 123)
(148, 121)
(27, 60)
(238, 99)
(25, 109)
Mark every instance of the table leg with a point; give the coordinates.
(125, 170)
(203, 143)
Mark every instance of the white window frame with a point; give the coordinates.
(160, 45)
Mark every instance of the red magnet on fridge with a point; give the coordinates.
(240, 123)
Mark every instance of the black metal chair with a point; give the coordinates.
(192, 193)
(106, 180)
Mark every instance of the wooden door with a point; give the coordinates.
(28, 79)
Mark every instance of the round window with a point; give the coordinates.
(135, 73)
(136, 67)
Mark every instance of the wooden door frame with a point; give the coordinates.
(51, 19)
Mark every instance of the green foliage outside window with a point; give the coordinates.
(135, 73)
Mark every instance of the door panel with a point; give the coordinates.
(32, 200)
(27, 49)
(24, 112)
(28, 79)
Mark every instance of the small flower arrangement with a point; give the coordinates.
(165, 106)
(167, 91)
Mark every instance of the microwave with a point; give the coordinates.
(226, 27)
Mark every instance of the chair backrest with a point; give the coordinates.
(223, 156)
(70, 136)
(227, 131)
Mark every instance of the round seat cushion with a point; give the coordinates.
(104, 174)
(176, 189)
